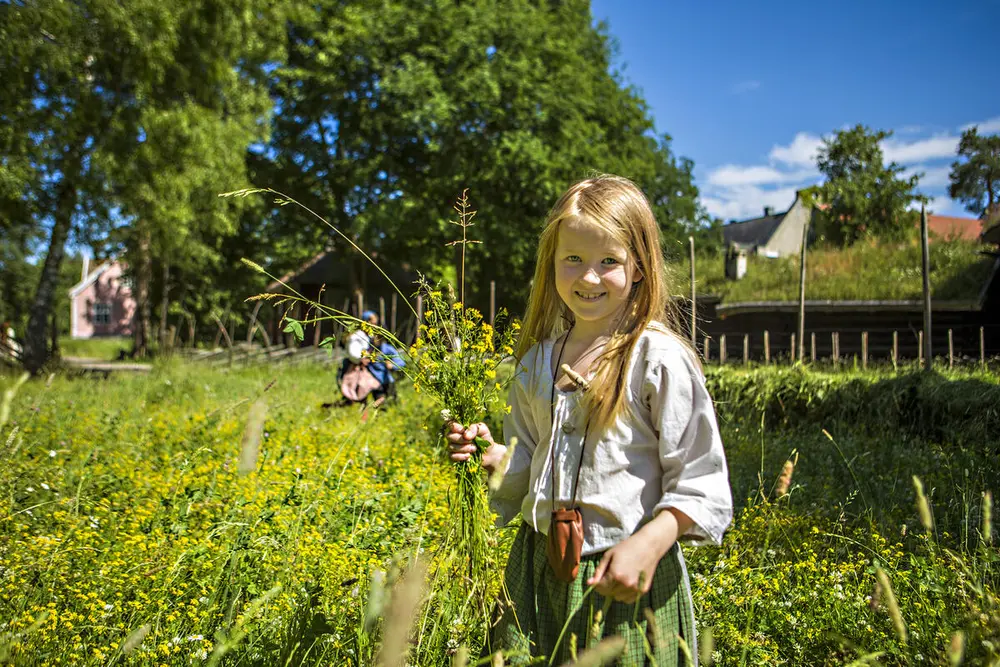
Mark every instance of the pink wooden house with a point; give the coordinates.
(101, 304)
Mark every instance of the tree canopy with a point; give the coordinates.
(976, 179)
(119, 125)
(862, 196)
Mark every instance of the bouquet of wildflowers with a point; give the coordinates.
(456, 359)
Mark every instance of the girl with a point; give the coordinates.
(608, 472)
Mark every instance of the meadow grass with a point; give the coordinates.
(864, 271)
(106, 348)
(129, 535)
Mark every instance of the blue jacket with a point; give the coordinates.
(378, 367)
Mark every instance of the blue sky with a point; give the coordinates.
(748, 90)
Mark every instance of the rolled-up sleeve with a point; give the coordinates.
(518, 424)
(695, 478)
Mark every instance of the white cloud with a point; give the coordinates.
(800, 153)
(940, 146)
(747, 202)
(742, 191)
(985, 127)
(733, 175)
(745, 87)
(932, 176)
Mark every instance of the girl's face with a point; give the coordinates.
(594, 273)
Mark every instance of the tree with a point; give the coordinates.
(976, 181)
(84, 83)
(863, 196)
(388, 112)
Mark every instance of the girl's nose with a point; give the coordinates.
(591, 277)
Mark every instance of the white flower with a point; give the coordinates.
(108, 607)
(30, 489)
(45, 486)
(52, 453)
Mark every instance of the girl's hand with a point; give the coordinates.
(462, 444)
(626, 571)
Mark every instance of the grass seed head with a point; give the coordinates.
(923, 507)
(891, 605)
(605, 653)
(706, 646)
(988, 517)
(956, 649)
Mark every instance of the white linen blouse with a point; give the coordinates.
(664, 451)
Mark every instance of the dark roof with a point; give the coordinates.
(330, 268)
(752, 232)
(992, 234)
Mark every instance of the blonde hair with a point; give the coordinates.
(619, 208)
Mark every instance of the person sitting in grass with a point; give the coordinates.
(385, 358)
(618, 454)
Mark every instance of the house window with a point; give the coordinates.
(102, 313)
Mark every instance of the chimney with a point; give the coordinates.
(768, 211)
(86, 267)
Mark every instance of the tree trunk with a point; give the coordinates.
(143, 274)
(36, 343)
(164, 302)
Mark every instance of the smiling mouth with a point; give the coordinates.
(589, 297)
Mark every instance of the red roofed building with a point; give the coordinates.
(948, 227)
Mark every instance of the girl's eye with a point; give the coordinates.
(609, 261)
(573, 258)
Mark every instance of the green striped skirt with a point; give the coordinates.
(543, 616)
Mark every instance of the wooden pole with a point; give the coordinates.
(361, 304)
(812, 347)
(707, 349)
(793, 355)
(493, 302)
(951, 350)
(694, 308)
(767, 347)
(920, 347)
(864, 350)
(746, 349)
(926, 253)
(381, 311)
(722, 350)
(392, 313)
(835, 343)
(982, 347)
(253, 322)
(895, 350)
(802, 295)
(420, 316)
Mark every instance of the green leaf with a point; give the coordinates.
(294, 327)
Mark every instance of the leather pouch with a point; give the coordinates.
(565, 543)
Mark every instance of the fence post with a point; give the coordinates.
(722, 350)
(694, 309)
(392, 313)
(920, 348)
(361, 304)
(951, 351)
(767, 347)
(802, 296)
(794, 351)
(864, 350)
(926, 254)
(746, 349)
(493, 302)
(708, 350)
(835, 344)
(420, 316)
(895, 350)
(381, 311)
(812, 347)
(982, 347)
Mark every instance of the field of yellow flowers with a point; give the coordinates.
(129, 534)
